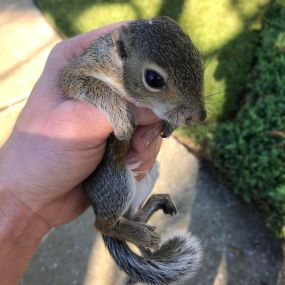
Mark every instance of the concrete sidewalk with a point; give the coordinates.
(25, 42)
(238, 249)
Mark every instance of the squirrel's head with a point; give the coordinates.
(162, 70)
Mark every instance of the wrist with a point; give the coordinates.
(21, 232)
(16, 218)
(20, 235)
(17, 222)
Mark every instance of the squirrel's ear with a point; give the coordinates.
(119, 40)
(116, 35)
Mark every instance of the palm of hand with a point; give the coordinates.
(57, 143)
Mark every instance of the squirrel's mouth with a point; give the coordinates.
(167, 128)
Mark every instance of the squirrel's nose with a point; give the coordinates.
(196, 117)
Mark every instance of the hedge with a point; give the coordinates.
(249, 152)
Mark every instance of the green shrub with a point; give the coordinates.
(249, 152)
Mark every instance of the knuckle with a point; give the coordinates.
(57, 48)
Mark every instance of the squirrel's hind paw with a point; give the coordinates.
(146, 237)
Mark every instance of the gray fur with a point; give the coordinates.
(143, 189)
(175, 261)
(107, 75)
(100, 185)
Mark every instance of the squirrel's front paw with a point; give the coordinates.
(124, 134)
(124, 127)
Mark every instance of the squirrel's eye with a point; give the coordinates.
(154, 79)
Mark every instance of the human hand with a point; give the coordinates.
(57, 143)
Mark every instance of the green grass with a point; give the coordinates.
(223, 30)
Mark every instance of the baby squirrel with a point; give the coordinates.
(154, 64)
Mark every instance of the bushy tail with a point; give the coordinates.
(176, 260)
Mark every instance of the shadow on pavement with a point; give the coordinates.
(238, 249)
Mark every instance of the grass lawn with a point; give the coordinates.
(223, 30)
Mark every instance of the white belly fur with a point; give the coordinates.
(143, 189)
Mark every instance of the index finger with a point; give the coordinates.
(83, 41)
(76, 45)
(68, 49)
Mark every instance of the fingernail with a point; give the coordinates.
(137, 173)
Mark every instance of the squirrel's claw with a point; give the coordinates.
(168, 207)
